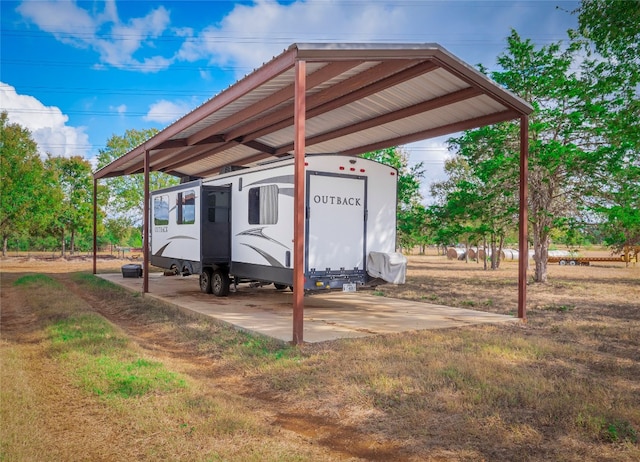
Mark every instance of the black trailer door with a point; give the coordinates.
(216, 224)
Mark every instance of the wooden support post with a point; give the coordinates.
(523, 220)
(299, 203)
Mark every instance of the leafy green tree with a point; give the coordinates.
(609, 33)
(479, 192)
(25, 189)
(125, 195)
(73, 213)
(411, 212)
(621, 227)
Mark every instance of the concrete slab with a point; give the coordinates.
(327, 316)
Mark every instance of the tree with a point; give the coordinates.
(125, 194)
(411, 212)
(621, 227)
(478, 199)
(578, 135)
(610, 34)
(25, 193)
(584, 131)
(74, 210)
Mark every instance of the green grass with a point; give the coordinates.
(102, 362)
(95, 282)
(112, 376)
(37, 280)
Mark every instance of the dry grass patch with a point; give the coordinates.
(564, 386)
(78, 388)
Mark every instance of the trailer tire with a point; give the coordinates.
(220, 283)
(205, 281)
(563, 262)
(572, 263)
(280, 286)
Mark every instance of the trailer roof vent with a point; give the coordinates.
(231, 168)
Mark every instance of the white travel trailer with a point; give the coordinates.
(238, 226)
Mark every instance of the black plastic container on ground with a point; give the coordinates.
(132, 270)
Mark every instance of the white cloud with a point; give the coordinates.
(48, 125)
(165, 111)
(252, 33)
(116, 42)
(275, 26)
(121, 109)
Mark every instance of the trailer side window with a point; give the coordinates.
(218, 206)
(161, 210)
(263, 205)
(186, 207)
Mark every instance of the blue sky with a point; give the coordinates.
(76, 73)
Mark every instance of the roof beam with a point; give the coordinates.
(259, 147)
(489, 119)
(192, 155)
(179, 143)
(419, 108)
(322, 75)
(201, 155)
(388, 73)
(163, 160)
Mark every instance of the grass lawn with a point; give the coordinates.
(92, 372)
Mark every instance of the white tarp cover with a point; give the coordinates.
(391, 267)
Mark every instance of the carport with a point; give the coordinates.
(328, 98)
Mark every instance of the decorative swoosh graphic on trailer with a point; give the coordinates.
(286, 191)
(183, 237)
(259, 232)
(161, 250)
(270, 258)
(274, 179)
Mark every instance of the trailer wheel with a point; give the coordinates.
(572, 263)
(280, 286)
(205, 281)
(220, 283)
(563, 262)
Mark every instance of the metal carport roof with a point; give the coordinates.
(359, 98)
(329, 98)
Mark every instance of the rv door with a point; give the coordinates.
(336, 225)
(216, 225)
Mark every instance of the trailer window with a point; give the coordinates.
(263, 205)
(161, 210)
(186, 207)
(218, 206)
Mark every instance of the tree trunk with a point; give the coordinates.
(484, 247)
(5, 242)
(63, 248)
(493, 252)
(541, 251)
(499, 253)
(73, 245)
